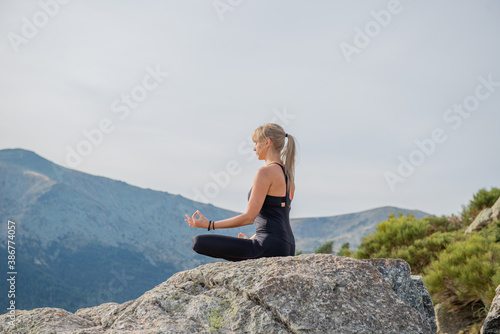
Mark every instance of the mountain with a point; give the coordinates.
(83, 240)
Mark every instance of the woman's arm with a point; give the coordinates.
(261, 184)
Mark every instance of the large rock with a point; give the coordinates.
(428, 306)
(492, 322)
(411, 289)
(482, 220)
(315, 293)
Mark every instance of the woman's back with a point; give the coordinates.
(273, 220)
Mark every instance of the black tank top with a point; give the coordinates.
(273, 218)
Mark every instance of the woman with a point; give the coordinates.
(268, 205)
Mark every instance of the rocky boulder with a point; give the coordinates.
(482, 220)
(495, 210)
(492, 322)
(314, 293)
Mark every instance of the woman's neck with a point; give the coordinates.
(270, 161)
(272, 156)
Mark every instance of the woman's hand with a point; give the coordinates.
(201, 222)
(241, 235)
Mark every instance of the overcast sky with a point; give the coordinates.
(392, 102)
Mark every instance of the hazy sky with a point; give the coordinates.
(392, 102)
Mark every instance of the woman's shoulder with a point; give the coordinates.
(269, 168)
(275, 167)
(263, 174)
(268, 172)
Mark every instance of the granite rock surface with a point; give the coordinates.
(313, 293)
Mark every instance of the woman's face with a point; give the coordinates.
(260, 149)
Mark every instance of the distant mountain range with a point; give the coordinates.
(83, 240)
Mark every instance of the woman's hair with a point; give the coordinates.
(277, 136)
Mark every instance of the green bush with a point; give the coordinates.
(424, 251)
(325, 248)
(467, 271)
(344, 250)
(444, 224)
(417, 241)
(391, 235)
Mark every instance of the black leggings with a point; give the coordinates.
(238, 249)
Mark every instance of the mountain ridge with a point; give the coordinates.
(55, 168)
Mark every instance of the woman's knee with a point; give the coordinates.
(198, 242)
(195, 244)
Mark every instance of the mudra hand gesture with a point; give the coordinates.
(200, 222)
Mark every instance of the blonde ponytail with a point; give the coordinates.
(288, 157)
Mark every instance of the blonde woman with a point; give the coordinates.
(268, 205)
